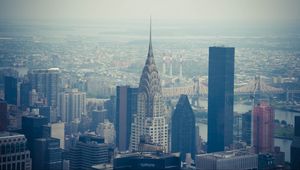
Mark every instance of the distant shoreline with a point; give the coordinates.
(281, 137)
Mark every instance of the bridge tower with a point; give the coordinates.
(196, 96)
(171, 66)
(164, 65)
(180, 68)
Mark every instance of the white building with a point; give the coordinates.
(235, 159)
(150, 119)
(58, 131)
(71, 105)
(107, 130)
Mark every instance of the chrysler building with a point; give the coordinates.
(150, 120)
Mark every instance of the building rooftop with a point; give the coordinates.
(151, 155)
(34, 116)
(5, 134)
(227, 154)
(102, 166)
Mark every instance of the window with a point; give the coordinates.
(17, 147)
(12, 148)
(22, 147)
(2, 149)
(7, 149)
(23, 165)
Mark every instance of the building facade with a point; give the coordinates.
(220, 98)
(47, 154)
(263, 128)
(183, 129)
(295, 146)
(235, 159)
(11, 90)
(32, 128)
(46, 83)
(126, 108)
(98, 116)
(88, 151)
(3, 115)
(150, 119)
(107, 130)
(25, 88)
(246, 127)
(146, 161)
(71, 105)
(58, 131)
(13, 152)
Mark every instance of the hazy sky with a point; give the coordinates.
(248, 11)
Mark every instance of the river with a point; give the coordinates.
(280, 115)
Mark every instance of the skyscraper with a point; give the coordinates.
(220, 98)
(107, 130)
(58, 131)
(10, 90)
(183, 128)
(71, 105)
(246, 127)
(110, 106)
(295, 147)
(150, 119)
(25, 88)
(46, 154)
(32, 127)
(46, 83)
(126, 108)
(3, 115)
(89, 150)
(234, 159)
(263, 128)
(13, 151)
(98, 116)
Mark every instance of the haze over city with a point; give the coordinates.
(149, 84)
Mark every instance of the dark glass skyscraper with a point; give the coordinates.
(10, 90)
(183, 128)
(24, 94)
(126, 107)
(46, 154)
(295, 147)
(3, 115)
(246, 127)
(32, 128)
(220, 98)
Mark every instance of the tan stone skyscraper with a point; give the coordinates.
(150, 120)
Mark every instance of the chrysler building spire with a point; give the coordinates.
(150, 51)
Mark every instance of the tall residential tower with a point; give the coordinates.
(263, 128)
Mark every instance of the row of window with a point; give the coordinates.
(12, 148)
(14, 158)
(12, 140)
(13, 166)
